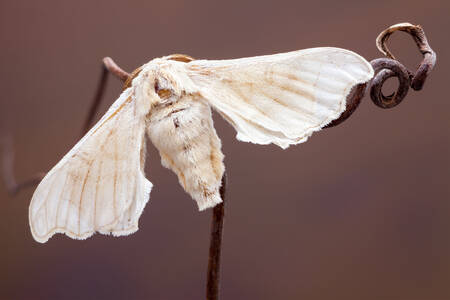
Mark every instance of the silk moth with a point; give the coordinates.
(100, 186)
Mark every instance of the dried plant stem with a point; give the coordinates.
(215, 246)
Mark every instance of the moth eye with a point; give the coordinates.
(162, 92)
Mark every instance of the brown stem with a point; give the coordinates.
(215, 246)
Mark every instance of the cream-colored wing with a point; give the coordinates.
(99, 185)
(184, 134)
(281, 98)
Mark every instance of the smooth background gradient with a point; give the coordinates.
(360, 211)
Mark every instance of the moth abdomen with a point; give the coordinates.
(188, 145)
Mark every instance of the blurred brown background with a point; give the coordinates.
(360, 211)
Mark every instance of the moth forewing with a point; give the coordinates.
(281, 98)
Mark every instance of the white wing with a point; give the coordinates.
(99, 185)
(281, 98)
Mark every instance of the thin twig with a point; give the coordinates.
(114, 69)
(108, 67)
(96, 101)
(215, 246)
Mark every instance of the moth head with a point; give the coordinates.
(165, 80)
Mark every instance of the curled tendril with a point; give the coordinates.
(389, 67)
(386, 68)
(429, 56)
